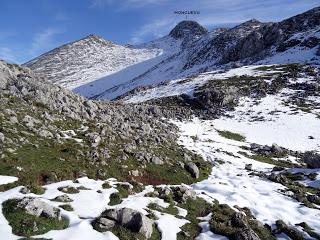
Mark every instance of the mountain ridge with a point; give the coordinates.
(187, 50)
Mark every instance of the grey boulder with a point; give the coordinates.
(38, 207)
(192, 169)
(128, 218)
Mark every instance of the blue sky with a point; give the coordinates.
(29, 28)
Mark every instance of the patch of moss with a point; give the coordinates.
(156, 234)
(106, 185)
(232, 136)
(268, 159)
(222, 215)
(197, 207)
(69, 189)
(67, 207)
(171, 209)
(125, 234)
(25, 224)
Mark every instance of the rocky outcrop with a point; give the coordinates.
(253, 40)
(125, 217)
(312, 159)
(38, 207)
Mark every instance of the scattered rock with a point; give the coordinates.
(128, 218)
(245, 234)
(248, 167)
(192, 169)
(289, 231)
(156, 160)
(63, 198)
(1, 137)
(38, 207)
(277, 169)
(312, 159)
(314, 199)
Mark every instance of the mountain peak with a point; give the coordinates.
(186, 28)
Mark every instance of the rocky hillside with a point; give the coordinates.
(73, 168)
(188, 49)
(71, 136)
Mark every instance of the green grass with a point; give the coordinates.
(23, 223)
(232, 136)
(220, 223)
(125, 234)
(67, 207)
(268, 159)
(196, 208)
(123, 192)
(69, 189)
(171, 209)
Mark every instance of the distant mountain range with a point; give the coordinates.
(99, 69)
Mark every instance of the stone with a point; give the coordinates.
(38, 207)
(277, 169)
(314, 199)
(45, 134)
(289, 231)
(156, 160)
(276, 149)
(245, 234)
(312, 159)
(134, 173)
(192, 169)
(24, 190)
(1, 137)
(13, 120)
(94, 138)
(239, 220)
(248, 167)
(104, 223)
(63, 198)
(130, 219)
(129, 148)
(279, 178)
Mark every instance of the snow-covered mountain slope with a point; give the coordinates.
(276, 99)
(86, 60)
(146, 72)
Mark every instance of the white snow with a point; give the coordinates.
(188, 84)
(87, 205)
(231, 184)
(206, 234)
(280, 124)
(7, 179)
(169, 225)
(119, 82)
(87, 60)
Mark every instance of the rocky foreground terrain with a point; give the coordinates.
(228, 151)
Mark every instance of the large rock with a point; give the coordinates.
(128, 218)
(192, 169)
(312, 159)
(38, 207)
(1, 137)
(245, 234)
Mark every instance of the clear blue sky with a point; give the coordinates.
(29, 28)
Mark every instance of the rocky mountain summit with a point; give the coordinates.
(188, 28)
